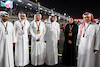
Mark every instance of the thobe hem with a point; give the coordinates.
(22, 64)
(38, 64)
(51, 64)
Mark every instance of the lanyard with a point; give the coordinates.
(70, 27)
(22, 25)
(86, 29)
(38, 25)
(5, 26)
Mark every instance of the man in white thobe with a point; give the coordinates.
(21, 36)
(97, 63)
(52, 38)
(6, 41)
(38, 46)
(87, 41)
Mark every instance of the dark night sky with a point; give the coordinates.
(74, 8)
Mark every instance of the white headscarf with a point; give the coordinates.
(35, 19)
(52, 15)
(3, 13)
(20, 18)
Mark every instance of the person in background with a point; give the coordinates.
(45, 21)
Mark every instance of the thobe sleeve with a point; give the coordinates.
(32, 33)
(77, 41)
(97, 39)
(15, 33)
(44, 32)
(65, 33)
(1, 35)
(75, 34)
(45, 36)
(28, 27)
(58, 32)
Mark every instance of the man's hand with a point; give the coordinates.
(69, 41)
(38, 39)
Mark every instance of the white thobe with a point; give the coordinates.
(37, 47)
(52, 37)
(2, 46)
(22, 45)
(97, 63)
(87, 45)
(6, 43)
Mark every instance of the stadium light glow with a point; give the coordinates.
(25, 6)
(45, 10)
(40, 8)
(16, 4)
(49, 11)
(29, 4)
(19, 0)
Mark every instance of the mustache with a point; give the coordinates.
(4, 20)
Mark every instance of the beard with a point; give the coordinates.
(4, 20)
